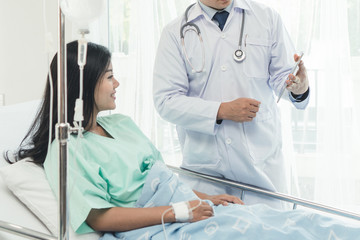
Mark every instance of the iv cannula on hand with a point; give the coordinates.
(292, 72)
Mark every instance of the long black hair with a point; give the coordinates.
(35, 142)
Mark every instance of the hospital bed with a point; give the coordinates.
(28, 208)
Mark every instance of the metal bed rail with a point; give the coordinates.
(24, 232)
(245, 187)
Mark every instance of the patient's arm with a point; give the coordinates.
(223, 199)
(125, 219)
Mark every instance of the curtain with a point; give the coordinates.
(135, 28)
(330, 170)
(337, 142)
(321, 143)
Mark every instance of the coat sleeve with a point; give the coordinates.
(281, 62)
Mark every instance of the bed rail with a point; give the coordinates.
(245, 187)
(24, 232)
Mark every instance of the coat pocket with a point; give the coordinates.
(257, 60)
(261, 136)
(200, 150)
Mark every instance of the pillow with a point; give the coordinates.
(15, 121)
(27, 181)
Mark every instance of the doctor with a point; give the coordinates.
(216, 71)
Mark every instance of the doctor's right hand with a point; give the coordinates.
(239, 110)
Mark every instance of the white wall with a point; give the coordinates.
(355, 66)
(23, 58)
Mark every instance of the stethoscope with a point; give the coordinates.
(239, 54)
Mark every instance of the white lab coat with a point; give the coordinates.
(248, 152)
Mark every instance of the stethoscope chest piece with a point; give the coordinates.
(239, 55)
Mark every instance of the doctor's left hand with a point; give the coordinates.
(298, 84)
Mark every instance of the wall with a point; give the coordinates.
(355, 66)
(23, 57)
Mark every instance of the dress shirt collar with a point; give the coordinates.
(211, 11)
(200, 9)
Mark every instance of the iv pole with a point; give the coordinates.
(62, 128)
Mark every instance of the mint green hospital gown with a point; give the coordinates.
(103, 172)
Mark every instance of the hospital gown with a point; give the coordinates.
(108, 172)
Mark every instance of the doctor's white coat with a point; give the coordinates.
(248, 152)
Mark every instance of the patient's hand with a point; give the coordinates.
(224, 199)
(202, 212)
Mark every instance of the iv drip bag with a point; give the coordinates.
(82, 12)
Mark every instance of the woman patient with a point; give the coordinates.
(109, 165)
(118, 183)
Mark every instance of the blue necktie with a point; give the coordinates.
(221, 17)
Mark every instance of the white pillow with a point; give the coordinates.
(28, 183)
(15, 121)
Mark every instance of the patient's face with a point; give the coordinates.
(216, 4)
(105, 91)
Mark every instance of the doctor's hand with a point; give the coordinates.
(298, 84)
(239, 110)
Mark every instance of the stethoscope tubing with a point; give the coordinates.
(188, 23)
(242, 29)
(239, 54)
(202, 50)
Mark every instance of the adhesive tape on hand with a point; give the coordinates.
(181, 211)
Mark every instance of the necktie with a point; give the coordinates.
(221, 17)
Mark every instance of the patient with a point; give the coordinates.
(109, 165)
(118, 183)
